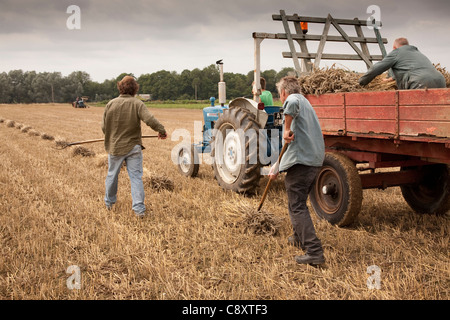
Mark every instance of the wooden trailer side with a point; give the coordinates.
(403, 114)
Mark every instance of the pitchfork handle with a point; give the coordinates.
(270, 180)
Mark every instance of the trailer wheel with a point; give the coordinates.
(234, 147)
(430, 195)
(337, 194)
(188, 163)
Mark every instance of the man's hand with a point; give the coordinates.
(288, 136)
(274, 170)
(388, 79)
(162, 136)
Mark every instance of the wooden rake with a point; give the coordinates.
(283, 150)
(63, 145)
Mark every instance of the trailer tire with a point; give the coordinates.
(336, 195)
(431, 195)
(234, 148)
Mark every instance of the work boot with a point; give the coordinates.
(141, 214)
(293, 241)
(310, 259)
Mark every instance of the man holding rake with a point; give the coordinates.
(301, 161)
(123, 142)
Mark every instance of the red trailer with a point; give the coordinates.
(363, 131)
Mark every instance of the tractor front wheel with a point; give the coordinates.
(188, 163)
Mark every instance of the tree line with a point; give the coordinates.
(17, 86)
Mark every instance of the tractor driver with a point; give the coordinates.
(412, 70)
(266, 96)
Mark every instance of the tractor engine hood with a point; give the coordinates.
(260, 115)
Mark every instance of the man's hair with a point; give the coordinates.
(263, 83)
(128, 85)
(289, 84)
(401, 42)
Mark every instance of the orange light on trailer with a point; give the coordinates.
(304, 27)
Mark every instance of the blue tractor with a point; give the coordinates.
(241, 137)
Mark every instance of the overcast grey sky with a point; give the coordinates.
(137, 36)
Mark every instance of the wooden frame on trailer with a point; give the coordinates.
(307, 66)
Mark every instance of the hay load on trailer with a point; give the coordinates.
(335, 80)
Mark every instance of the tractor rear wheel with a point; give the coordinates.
(234, 148)
(432, 193)
(336, 195)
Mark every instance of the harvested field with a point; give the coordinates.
(52, 216)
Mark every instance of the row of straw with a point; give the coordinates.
(150, 179)
(26, 129)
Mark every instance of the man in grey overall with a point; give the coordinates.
(411, 69)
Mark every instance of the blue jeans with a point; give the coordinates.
(134, 167)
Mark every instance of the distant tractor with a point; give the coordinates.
(80, 102)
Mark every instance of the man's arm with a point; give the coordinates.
(378, 68)
(150, 120)
(288, 136)
(104, 119)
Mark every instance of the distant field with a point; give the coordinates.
(52, 216)
(174, 105)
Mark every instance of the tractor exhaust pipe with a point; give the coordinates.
(222, 85)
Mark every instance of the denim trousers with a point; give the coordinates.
(299, 181)
(133, 161)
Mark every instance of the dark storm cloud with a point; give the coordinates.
(177, 19)
(192, 33)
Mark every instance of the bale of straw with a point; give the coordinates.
(47, 137)
(251, 220)
(444, 72)
(82, 151)
(329, 80)
(333, 80)
(25, 129)
(33, 132)
(10, 123)
(19, 126)
(61, 142)
(156, 181)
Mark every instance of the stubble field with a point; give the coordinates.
(52, 216)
